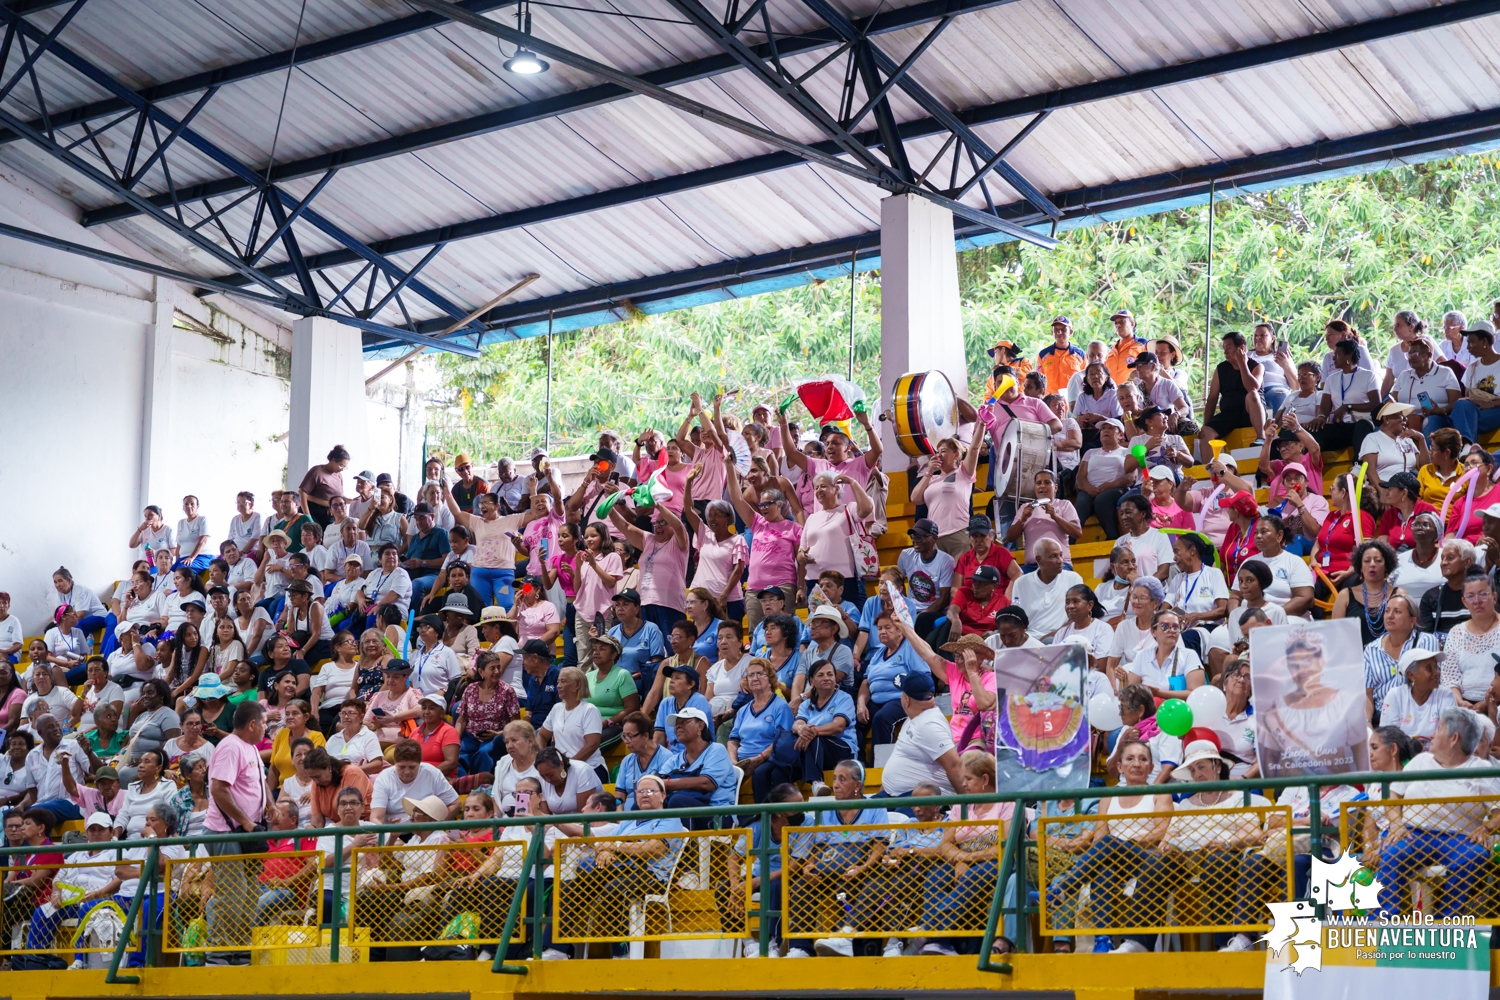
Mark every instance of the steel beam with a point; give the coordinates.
(248, 70)
(1392, 147)
(580, 100)
(1419, 20)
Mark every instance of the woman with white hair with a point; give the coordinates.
(1134, 631)
(722, 554)
(1453, 835)
(825, 536)
(1469, 653)
(1454, 345)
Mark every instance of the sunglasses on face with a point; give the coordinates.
(1169, 626)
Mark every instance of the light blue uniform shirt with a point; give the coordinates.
(840, 706)
(660, 867)
(646, 646)
(712, 763)
(630, 772)
(758, 646)
(873, 607)
(707, 644)
(887, 666)
(669, 705)
(756, 732)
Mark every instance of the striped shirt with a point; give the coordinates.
(1383, 673)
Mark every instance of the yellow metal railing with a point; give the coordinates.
(218, 904)
(435, 894)
(1187, 870)
(75, 920)
(652, 887)
(1429, 854)
(880, 880)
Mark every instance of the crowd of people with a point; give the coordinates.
(509, 646)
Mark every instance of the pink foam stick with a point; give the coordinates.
(1208, 505)
(1470, 477)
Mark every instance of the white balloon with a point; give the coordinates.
(1208, 704)
(1104, 712)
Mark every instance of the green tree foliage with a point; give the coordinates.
(1357, 248)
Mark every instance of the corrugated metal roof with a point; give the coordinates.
(451, 73)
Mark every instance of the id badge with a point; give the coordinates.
(1327, 558)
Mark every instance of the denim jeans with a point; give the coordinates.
(493, 585)
(1470, 421)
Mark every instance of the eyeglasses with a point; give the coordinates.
(1169, 626)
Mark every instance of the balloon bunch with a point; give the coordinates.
(1205, 708)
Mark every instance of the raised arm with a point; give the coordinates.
(742, 507)
(935, 663)
(863, 505)
(635, 536)
(971, 457)
(794, 455)
(876, 449)
(689, 514)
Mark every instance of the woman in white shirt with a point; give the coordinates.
(574, 725)
(1113, 592)
(67, 646)
(1104, 476)
(1424, 377)
(1196, 588)
(1350, 396)
(1097, 401)
(334, 682)
(90, 610)
(193, 537)
(1394, 447)
(245, 527)
(1134, 631)
(1166, 667)
(353, 742)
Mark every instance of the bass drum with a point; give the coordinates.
(925, 411)
(1024, 449)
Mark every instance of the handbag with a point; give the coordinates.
(866, 559)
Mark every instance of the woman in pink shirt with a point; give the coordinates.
(662, 565)
(775, 535)
(1164, 510)
(722, 554)
(598, 571)
(825, 536)
(947, 488)
(535, 616)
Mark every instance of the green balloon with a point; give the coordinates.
(1174, 717)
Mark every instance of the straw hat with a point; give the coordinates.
(970, 641)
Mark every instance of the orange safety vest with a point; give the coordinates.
(1060, 365)
(1120, 355)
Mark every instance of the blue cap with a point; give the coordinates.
(916, 684)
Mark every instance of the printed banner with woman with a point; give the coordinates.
(1309, 688)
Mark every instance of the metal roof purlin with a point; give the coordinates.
(1085, 206)
(1419, 20)
(590, 97)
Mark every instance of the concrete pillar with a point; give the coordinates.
(328, 397)
(156, 414)
(921, 328)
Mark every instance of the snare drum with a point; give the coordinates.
(1024, 449)
(925, 411)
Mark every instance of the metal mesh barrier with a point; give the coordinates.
(1187, 870)
(1429, 854)
(435, 894)
(653, 887)
(882, 880)
(223, 903)
(72, 918)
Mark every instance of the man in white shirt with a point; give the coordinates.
(44, 766)
(1479, 411)
(1041, 592)
(924, 749)
(409, 778)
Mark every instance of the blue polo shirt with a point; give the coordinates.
(840, 706)
(541, 694)
(433, 545)
(640, 650)
(885, 666)
(707, 644)
(712, 763)
(669, 705)
(756, 732)
(758, 645)
(660, 867)
(874, 816)
(630, 773)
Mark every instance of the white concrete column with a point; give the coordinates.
(328, 397)
(156, 414)
(921, 328)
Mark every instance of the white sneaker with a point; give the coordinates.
(1129, 947)
(485, 955)
(894, 948)
(553, 955)
(840, 947)
(938, 948)
(1240, 942)
(797, 953)
(76, 964)
(774, 951)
